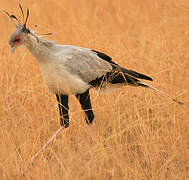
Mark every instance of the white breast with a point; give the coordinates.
(59, 80)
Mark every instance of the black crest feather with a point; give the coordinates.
(12, 16)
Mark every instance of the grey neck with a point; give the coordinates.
(40, 49)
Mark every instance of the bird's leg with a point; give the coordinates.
(42, 149)
(63, 109)
(85, 102)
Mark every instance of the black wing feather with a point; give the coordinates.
(124, 70)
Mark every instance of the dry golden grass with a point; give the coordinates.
(137, 134)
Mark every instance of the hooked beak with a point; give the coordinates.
(12, 46)
(12, 49)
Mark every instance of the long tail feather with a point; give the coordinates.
(160, 92)
(136, 74)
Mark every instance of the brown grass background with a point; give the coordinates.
(137, 134)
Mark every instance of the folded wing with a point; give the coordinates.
(94, 67)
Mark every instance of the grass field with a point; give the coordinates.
(137, 134)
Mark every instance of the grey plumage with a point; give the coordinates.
(84, 63)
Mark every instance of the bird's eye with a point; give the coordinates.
(16, 40)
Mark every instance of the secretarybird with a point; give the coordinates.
(74, 70)
(68, 69)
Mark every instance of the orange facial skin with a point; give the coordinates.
(16, 40)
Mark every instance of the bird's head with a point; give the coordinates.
(20, 33)
(17, 38)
